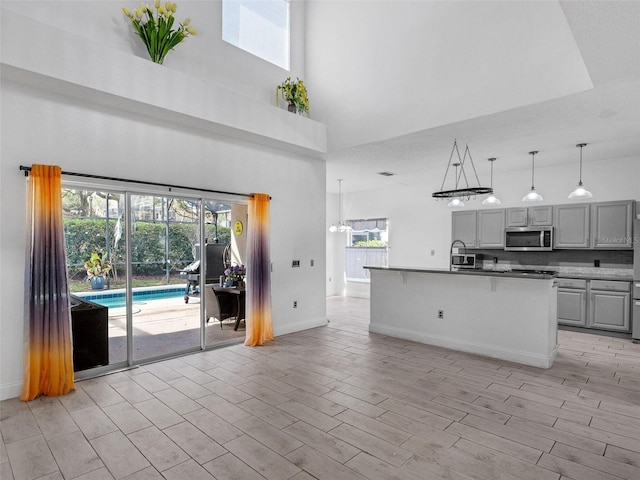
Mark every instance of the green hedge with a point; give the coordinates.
(84, 235)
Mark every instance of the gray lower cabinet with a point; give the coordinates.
(572, 302)
(609, 305)
(572, 307)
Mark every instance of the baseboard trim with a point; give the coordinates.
(540, 361)
(299, 326)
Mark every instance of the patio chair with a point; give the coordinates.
(220, 305)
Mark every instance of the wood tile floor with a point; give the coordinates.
(339, 403)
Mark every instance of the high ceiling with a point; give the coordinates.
(504, 77)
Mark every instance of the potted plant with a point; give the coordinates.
(155, 28)
(98, 266)
(295, 93)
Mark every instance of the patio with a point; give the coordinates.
(165, 326)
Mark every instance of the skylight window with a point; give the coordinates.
(260, 27)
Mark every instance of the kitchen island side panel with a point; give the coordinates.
(508, 318)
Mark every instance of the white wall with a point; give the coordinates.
(205, 55)
(41, 126)
(419, 224)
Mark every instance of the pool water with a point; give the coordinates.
(117, 299)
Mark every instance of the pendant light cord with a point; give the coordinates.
(533, 168)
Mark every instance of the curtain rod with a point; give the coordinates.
(142, 182)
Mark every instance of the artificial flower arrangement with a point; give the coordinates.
(295, 93)
(154, 27)
(234, 275)
(237, 272)
(98, 264)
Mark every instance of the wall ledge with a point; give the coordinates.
(47, 58)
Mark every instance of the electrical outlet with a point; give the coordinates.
(295, 304)
(433, 252)
(596, 263)
(440, 313)
(295, 263)
(312, 262)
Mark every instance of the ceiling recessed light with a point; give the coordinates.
(386, 174)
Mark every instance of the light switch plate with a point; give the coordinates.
(295, 263)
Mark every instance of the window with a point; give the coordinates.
(260, 27)
(367, 247)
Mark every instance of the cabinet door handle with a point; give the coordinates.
(637, 304)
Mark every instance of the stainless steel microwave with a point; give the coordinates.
(464, 260)
(528, 239)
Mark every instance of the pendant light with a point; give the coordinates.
(532, 196)
(491, 199)
(580, 192)
(341, 226)
(457, 201)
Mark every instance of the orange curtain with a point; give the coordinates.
(49, 348)
(259, 326)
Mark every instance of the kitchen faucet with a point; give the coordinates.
(451, 249)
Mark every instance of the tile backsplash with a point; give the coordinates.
(562, 260)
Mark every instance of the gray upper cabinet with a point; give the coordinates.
(571, 226)
(517, 217)
(532, 216)
(611, 225)
(491, 228)
(541, 216)
(463, 227)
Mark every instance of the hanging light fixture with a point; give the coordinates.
(457, 201)
(491, 199)
(580, 192)
(467, 191)
(532, 196)
(341, 226)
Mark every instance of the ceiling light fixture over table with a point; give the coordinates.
(341, 226)
(532, 196)
(466, 191)
(580, 192)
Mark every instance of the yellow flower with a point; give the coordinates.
(192, 31)
(186, 22)
(174, 7)
(137, 13)
(157, 3)
(125, 10)
(161, 10)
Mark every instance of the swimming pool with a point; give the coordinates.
(117, 298)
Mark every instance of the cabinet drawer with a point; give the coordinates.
(610, 285)
(571, 283)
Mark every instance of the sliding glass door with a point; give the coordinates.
(165, 238)
(135, 273)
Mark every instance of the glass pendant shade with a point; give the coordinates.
(491, 199)
(455, 203)
(532, 196)
(580, 193)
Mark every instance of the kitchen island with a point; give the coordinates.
(506, 315)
